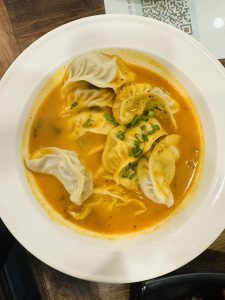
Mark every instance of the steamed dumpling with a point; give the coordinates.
(131, 100)
(116, 152)
(156, 174)
(90, 121)
(101, 70)
(125, 146)
(144, 179)
(165, 102)
(135, 98)
(67, 168)
(85, 95)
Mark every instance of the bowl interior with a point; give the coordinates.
(187, 209)
(182, 237)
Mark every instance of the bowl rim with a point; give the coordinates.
(219, 226)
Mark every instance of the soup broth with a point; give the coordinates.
(50, 129)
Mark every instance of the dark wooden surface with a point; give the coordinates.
(21, 23)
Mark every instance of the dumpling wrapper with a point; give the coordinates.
(130, 184)
(119, 198)
(66, 167)
(89, 121)
(84, 96)
(131, 100)
(101, 70)
(135, 98)
(156, 174)
(144, 179)
(117, 153)
(162, 99)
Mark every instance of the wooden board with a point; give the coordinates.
(21, 23)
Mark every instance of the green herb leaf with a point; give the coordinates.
(136, 143)
(131, 176)
(155, 127)
(133, 165)
(110, 118)
(136, 151)
(88, 123)
(150, 113)
(121, 135)
(74, 104)
(145, 137)
(135, 122)
(130, 170)
(125, 173)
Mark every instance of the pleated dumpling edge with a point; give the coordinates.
(156, 174)
(67, 168)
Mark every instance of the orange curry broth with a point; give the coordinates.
(49, 129)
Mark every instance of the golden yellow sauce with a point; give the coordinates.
(49, 129)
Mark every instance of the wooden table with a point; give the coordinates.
(21, 23)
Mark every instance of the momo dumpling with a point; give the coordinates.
(163, 102)
(156, 173)
(136, 98)
(101, 70)
(131, 100)
(128, 145)
(86, 95)
(112, 160)
(90, 121)
(67, 168)
(145, 179)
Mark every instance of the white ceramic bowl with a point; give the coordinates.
(188, 233)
